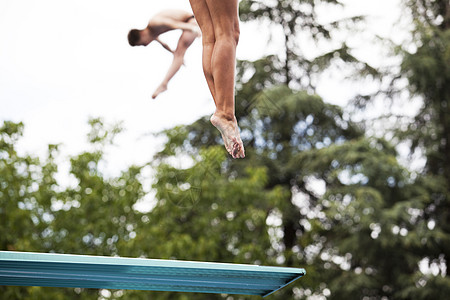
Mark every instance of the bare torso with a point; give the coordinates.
(164, 20)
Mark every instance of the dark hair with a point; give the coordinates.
(134, 36)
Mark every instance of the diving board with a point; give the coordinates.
(102, 272)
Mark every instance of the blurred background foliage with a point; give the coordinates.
(316, 189)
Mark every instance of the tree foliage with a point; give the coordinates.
(93, 216)
(303, 30)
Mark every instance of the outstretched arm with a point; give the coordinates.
(164, 45)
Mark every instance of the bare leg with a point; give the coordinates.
(204, 21)
(221, 67)
(186, 39)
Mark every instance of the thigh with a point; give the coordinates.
(224, 16)
(186, 39)
(203, 18)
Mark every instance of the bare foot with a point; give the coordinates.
(161, 88)
(230, 135)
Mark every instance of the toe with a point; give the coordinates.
(236, 150)
(229, 150)
(241, 152)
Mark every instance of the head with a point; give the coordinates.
(138, 37)
(134, 37)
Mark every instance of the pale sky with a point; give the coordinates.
(63, 61)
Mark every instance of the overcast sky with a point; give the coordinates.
(64, 61)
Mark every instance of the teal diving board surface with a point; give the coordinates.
(101, 272)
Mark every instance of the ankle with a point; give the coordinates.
(224, 116)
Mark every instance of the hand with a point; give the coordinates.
(165, 46)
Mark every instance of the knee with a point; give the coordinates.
(235, 35)
(185, 43)
(208, 38)
(207, 71)
(231, 33)
(236, 32)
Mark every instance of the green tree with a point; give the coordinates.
(365, 236)
(427, 69)
(409, 226)
(425, 61)
(202, 215)
(310, 44)
(26, 189)
(94, 216)
(303, 144)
